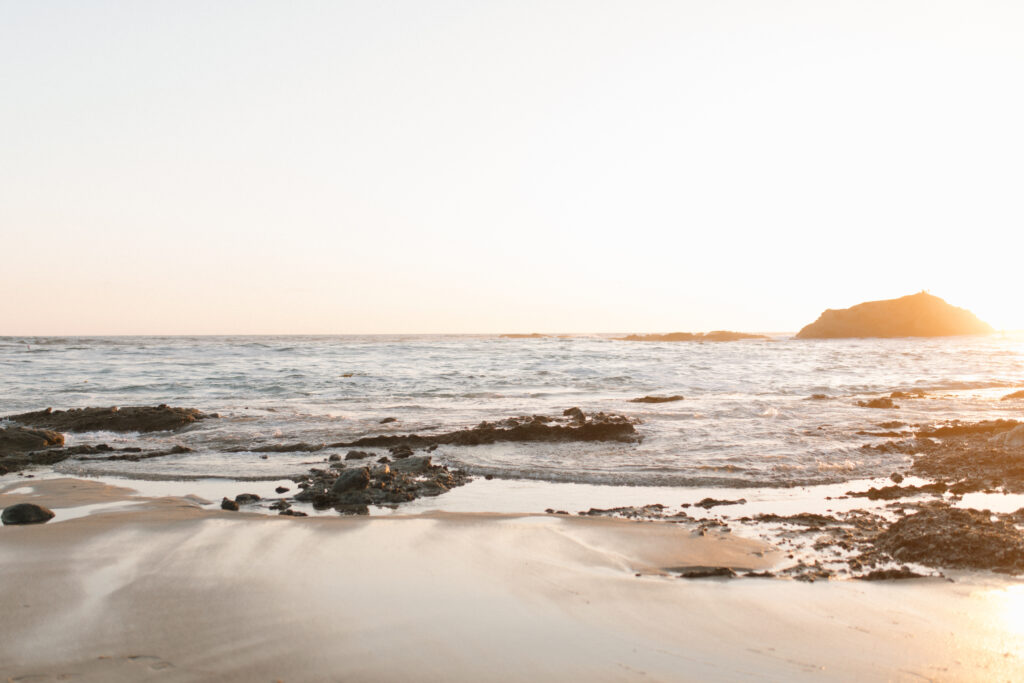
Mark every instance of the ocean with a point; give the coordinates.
(747, 419)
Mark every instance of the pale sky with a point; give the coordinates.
(433, 166)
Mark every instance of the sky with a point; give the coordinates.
(437, 166)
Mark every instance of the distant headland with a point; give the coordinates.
(916, 315)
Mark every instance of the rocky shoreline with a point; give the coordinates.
(918, 530)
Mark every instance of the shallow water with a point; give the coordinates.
(747, 418)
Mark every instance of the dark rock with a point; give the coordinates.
(1013, 396)
(351, 480)
(896, 478)
(917, 315)
(357, 455)
(20, 439)
(26, 513)
(819, 397)
(127, 419)
(709, 503)
(293, 513)
(656, 399)
(247, 498)
(228, 504)
(281, 489)
(890, 575)
(896, 492)
(957, 538)
(400, 452)
(574, 413)
(388, 420)
(703, 572)
(280, 505)
(334, 457)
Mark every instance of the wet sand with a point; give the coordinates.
(164, 589)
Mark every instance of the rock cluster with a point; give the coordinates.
(113, 419)
(352, 490)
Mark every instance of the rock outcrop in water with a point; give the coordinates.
(20, 439)
(113, 419)
(917, 315)
(574, 425)
(715, 336)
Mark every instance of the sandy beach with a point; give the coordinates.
(162, 589)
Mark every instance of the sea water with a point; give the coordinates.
(747, 419)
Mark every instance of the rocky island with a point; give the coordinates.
(917, 315)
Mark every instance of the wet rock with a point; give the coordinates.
(820, 397)
(334, 457)
(228, 504)
(808, 519)
(19, 439)
(26, 513)
(575, 413)
(890, 575)
(351, 480)
(883, 402)
(400, 452)
(703, 572)
(656, 399)
(653, 511)
(357, 455)
(388, 420)
(114, 419)
(280, 505)
(917, 315)
(896, 492)
(956, 538)
(293, 513)
(908, 394)
(896, 478)
(281, 489)
(709, 503)
(1015, 395)
(247, 498)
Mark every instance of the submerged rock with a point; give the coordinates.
(114, 419)
(917, 315)
(228, 504)
(26, 513)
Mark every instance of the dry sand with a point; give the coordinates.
(165, 590)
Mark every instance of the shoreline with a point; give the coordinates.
(167, 590)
